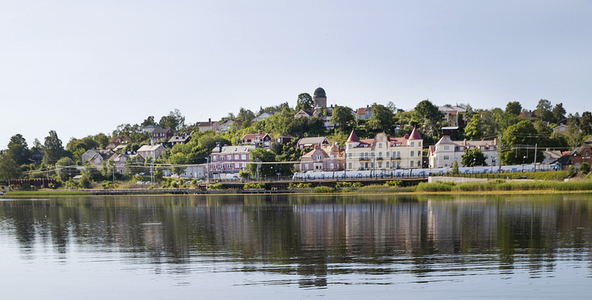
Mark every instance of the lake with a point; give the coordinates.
(297, 247)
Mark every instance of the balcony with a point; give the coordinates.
(396, 158)
(379, 158)
(365, 158)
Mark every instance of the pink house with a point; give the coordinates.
(261, 139)
(323, 158)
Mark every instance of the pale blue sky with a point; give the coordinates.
(83, 67)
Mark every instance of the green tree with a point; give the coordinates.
(474, 129)
(431, 119)
(304, 102)
(343, 116)
(148, 121)
(586, 123)
(261, 157)
(9, 169)
(585, 168)
(473, 157)
(513, 108)
(102, 139)
(245, 115)
(558, 112)
(455, 169)
(175, 120)
(54, 150)
(18, 149)
(381, 119)
(178, 162)
(516, 138)
(544, 111)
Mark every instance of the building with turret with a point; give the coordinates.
(384, 152)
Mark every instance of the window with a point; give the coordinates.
(237, 165)
(350, 146)
(214, 157)
(418, 153)
(387, 164)
(412, 153)
(387, 154)
(379, 145)
(331, 166)
(446, 157)
(412, 164)
(243, 157)
(229, 157)
(306, 166)
(418, 144)
(446, 148)
(236, 157)
(462, 148)
(350, 155)
(350, 165)
(380, 164)
(412, 144)
(380, 154)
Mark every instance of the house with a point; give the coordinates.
(179, 139)
(97, 157)
(550, 156)
(209, 125)
(577, 156)
(454, 115)
(451, 131)
(259, 139)
(263, 116)
(560, 129)
(310, 142)
(446, 151)
(283, 139)
(118, 143)
(230, 159)
(528, 115)
(161, 134)
(384, 152)
(153, 151)
(304, 113)
(150, 128)
(364, 113)
(323, 158)
(227, 124)
(191, 171)
(119, 161)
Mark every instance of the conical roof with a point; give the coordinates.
(352, 137)
(415, 134)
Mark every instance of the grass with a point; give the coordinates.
(502, 185)
(47, 193)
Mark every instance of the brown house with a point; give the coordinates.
(577, 156)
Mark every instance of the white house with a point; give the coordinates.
(154, 151)
(446, 151)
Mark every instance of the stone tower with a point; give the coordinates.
(319, 98)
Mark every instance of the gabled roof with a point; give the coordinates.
(312, 140)
(252, 136)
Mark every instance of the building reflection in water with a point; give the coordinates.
(312, 236)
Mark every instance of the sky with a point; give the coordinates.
(83, 67)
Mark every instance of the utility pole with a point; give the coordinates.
(535, 155)
(499, 152)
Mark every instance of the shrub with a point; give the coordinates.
(357, 184)
(259, 185)
(571, 171)
(585, 168)
(394, 183)
(301, 185)
(216, 186)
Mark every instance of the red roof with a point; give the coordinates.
(352, 137)
(415, 134)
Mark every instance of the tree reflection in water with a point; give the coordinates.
(313, 236)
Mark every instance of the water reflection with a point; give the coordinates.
(312, 237)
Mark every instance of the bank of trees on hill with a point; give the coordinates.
(518, 134)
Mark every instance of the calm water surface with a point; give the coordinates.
(297, 247)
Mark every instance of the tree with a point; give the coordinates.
(18, 149)
(474, 129)
(381, 119)
(245, 115)
(54, 149)
(148, 121)
(102, 139)
(431, 118)
(455, 169)
(343, 116)
(262, 155)
(558, 112)
(513, 108)
(543, 110)
(586, 123)
(9, 169)
(178, 160)
(304, 102)
(174, 120)
(518, 137)
(473, 157)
